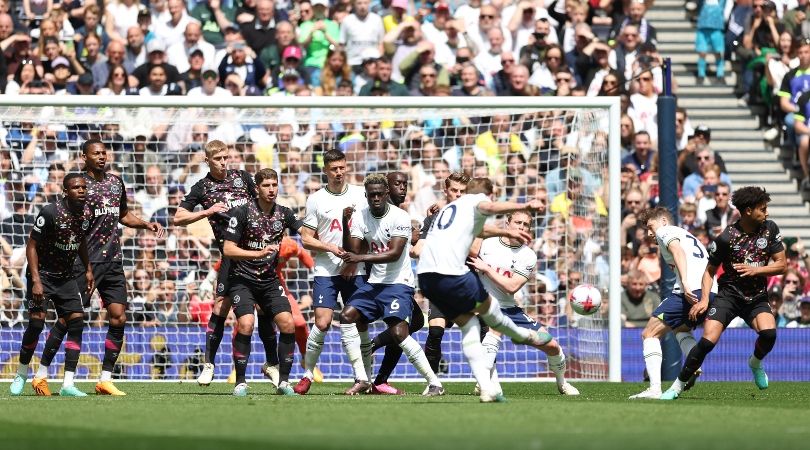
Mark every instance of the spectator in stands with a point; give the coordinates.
(11, 307)
(316, 36)
(171, 30)
(635, 17)
(543, 77)
(775, 301)
(638, 302)
(120, 15)
(250, 71)
(709, 37)
(368, 69)
(531, 54)
(644, 106)
(336, 70)
(178, 53)
(793, 289)
(102, 66)
(623, 55)
(683, 129)
(117, 82)
(153, 194)
(470, 85)
(209, 86)
(214, 18)
(158, 85)
(92, 24)
(705, 159)
(383, 83)
(803, 321)
(360, 31)
(135, 51)
(715, 220)
(643, 152)
(688, 214)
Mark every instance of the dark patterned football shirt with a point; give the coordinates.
(106, 199)
(252, 229)
(234, 190)
(735, 246)
(58, 233)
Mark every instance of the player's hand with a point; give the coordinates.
(688, 295)
(337, 251)
(523, 236)
(216, 208)
(434, 208)
(536, 205)
(351, 258)
(37, 292)
(698, 309)
(266, 251)
(478, 263)
(745, 270)
(347, 212)
(157, 228)
(91, 281)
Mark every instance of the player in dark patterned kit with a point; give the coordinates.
(750, 250)
(107, 201)
(56, 239)
(220, 191)
(252, 240)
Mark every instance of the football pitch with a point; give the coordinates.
(177, 416)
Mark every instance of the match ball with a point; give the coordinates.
(585, 299)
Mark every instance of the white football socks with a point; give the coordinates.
(314, 348)
(42, 372)
(686, 341)
(350, 339)
(557, 365)
(653, 359)
(417, 357)
(474, 352)
(106, 375)
(491, 344)
(68, 381)
(366, 349)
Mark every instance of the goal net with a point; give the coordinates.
(556, 149)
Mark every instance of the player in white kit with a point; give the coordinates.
(687, 256)
(324, 218)
(388, 295)
(445, 278)
(505, 266)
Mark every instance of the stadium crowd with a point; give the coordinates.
(360, 48)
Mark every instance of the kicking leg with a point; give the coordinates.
(712, 329)
(474, 352)
(653, 357)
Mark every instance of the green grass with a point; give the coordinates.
(177, 416)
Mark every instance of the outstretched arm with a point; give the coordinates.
(128, 219)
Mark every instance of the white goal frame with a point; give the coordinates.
(611, 104)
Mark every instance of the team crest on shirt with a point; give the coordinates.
(238, 183)
(713, 247)
(277, 226)
(236, 299)
(762, 243)
(233, 222)
(115, 189)
(85, 225)
(40, 221)
(220, 288)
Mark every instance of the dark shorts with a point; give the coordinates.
(381, 301)
(727, 306)
(325, 290)
(111, 283)
(674, 310)
(223, 278)
(435, 313)
(64, 293)
(269, 296)
(520, 318)
(453, 295)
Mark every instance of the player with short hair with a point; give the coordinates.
(252, 241)
(505, 266)
(55, 240)
(324, 217)
(220, 191)
(397, 195)
(750, 251)
(388, 295)
(107, 200)
(455, 186)
(445, 278)
(687, 257)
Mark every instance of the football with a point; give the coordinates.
(585, 299)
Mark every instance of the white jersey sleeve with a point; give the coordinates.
(451, 235)
(510, 261)
(325, 215)
(696, 256)
(378, 232)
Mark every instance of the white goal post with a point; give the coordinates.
(581, 116)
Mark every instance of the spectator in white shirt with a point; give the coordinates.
(171, 31)
(359, 31)
(489, 62)
(210, 86)
(179, 52)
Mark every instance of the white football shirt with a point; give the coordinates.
(378, 232)
(451, 235)
(696, 256)
(325, 216)
(508, 260)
